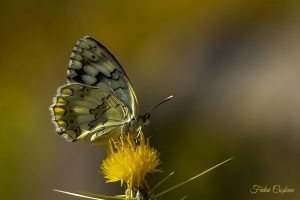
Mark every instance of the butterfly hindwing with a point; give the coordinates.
(86, 112)
(92, 64)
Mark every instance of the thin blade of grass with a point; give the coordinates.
(191, 179)
(88, 197)
(121, 196)
(160, 182)
(185, 197)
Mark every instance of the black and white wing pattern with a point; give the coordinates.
(98, 98)
(92, 64)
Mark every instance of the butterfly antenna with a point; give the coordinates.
(163, 101)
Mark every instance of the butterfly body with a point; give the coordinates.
(135, 124)
(97, 102)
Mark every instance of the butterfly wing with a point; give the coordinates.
(85, 112)
(92, 64)
(110, 102)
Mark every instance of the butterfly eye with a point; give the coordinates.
(72, 121)
(146, 116)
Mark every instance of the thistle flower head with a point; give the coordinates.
(129, 160)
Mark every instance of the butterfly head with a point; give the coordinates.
(146, 119)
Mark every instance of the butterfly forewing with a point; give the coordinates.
(92, 64)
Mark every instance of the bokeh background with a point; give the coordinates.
(233, 67)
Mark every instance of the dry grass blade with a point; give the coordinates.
(191, 179)
(160, 182)
(103, 197)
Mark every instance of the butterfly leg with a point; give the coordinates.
(138, 134)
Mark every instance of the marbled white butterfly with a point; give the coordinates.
(98, 101)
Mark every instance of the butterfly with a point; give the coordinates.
(98, 101)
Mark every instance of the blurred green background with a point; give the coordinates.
(233, 67)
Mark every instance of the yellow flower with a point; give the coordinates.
(130, 160)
